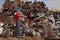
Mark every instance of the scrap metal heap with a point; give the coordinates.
(34, 11)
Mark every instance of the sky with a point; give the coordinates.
(49, 3)
(2, 2)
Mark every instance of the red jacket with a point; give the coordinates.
(16, 16)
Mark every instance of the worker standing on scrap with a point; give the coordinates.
(18, 17)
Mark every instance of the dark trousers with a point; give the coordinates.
(18, 25)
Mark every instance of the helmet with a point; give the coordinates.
(17, 9)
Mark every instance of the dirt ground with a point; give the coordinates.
(25, 38)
